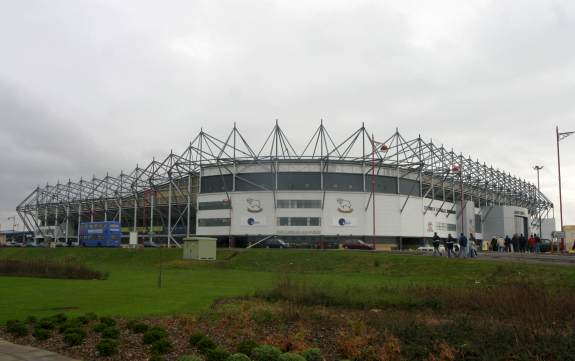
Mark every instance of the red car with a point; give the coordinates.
(357, 244)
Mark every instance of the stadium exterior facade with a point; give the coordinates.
(391, 190)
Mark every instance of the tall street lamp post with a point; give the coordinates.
(538, 168)
(560, 136)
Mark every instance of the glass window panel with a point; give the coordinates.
(217, 183)
(383, 184)
(204, 206)
(213, 222)
(299, 181)
(409, 187)
(343, 182)
(255, 181)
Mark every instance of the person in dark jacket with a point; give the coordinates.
(522, 243)
(449, 245)
(507, 244)
(435, 243)
(494, 244)
(462, 246)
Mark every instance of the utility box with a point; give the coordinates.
(200, 248)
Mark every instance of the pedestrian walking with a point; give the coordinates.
(507, 244)
(494, 244)
(435, 242)
(500, 244)
(462, 246)
(531, 243)
(522, 243)
(449, 245)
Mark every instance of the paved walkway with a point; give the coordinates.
(12, 352)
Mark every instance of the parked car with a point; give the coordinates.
(429, 249)
(276, 243)
(356, 244)
(545, 245)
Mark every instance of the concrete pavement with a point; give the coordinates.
(12, 352)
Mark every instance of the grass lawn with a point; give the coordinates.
(132, 290)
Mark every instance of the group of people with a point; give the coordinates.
(517, 243)
(467, 247)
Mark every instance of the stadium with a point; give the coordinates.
(390, 191)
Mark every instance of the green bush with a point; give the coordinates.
(108, 321)
(17, 328)
(59, 318)
(190, 358)
(107, 347)
(83, 320)
(136, 327)
(246, 347)
(161, 347)
(111, 332)
(238, 357)
(154, 334)
(74, 339)
(290, 356)
(31, 319)
(41, 333)
(266, 353)
(196, 338)
(47, 323)
(99, 327)
(91, 316)
(217, 354)
(155, 357)
(312, 354)
(71, 323)
(206, 344)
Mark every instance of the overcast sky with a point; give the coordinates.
(89, 87)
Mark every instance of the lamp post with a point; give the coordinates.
(560, 136)
(538, 168)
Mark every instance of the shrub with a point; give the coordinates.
(136, 327)
(155, 357)
(154, 334)
(31, 319)
(47, 323)
(99, 327)
(190, 358)
(107, 347)
(238, 357)
(290, 356)
(48, 269)
(71, 323)
(246, 347)
(59, 318)
(108, 321)
(217, 354)
(74, 339)
(111, 332)
(76, 330)
(161, 347)
(41, 333)
(91, 316)
(312, 354)
(266, 353)
(83, 320)
(196, 338)
(17, 328)
(205, 345)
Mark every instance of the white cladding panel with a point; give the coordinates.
(499, 221)
(343, 213)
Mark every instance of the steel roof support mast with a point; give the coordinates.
(560, 136)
